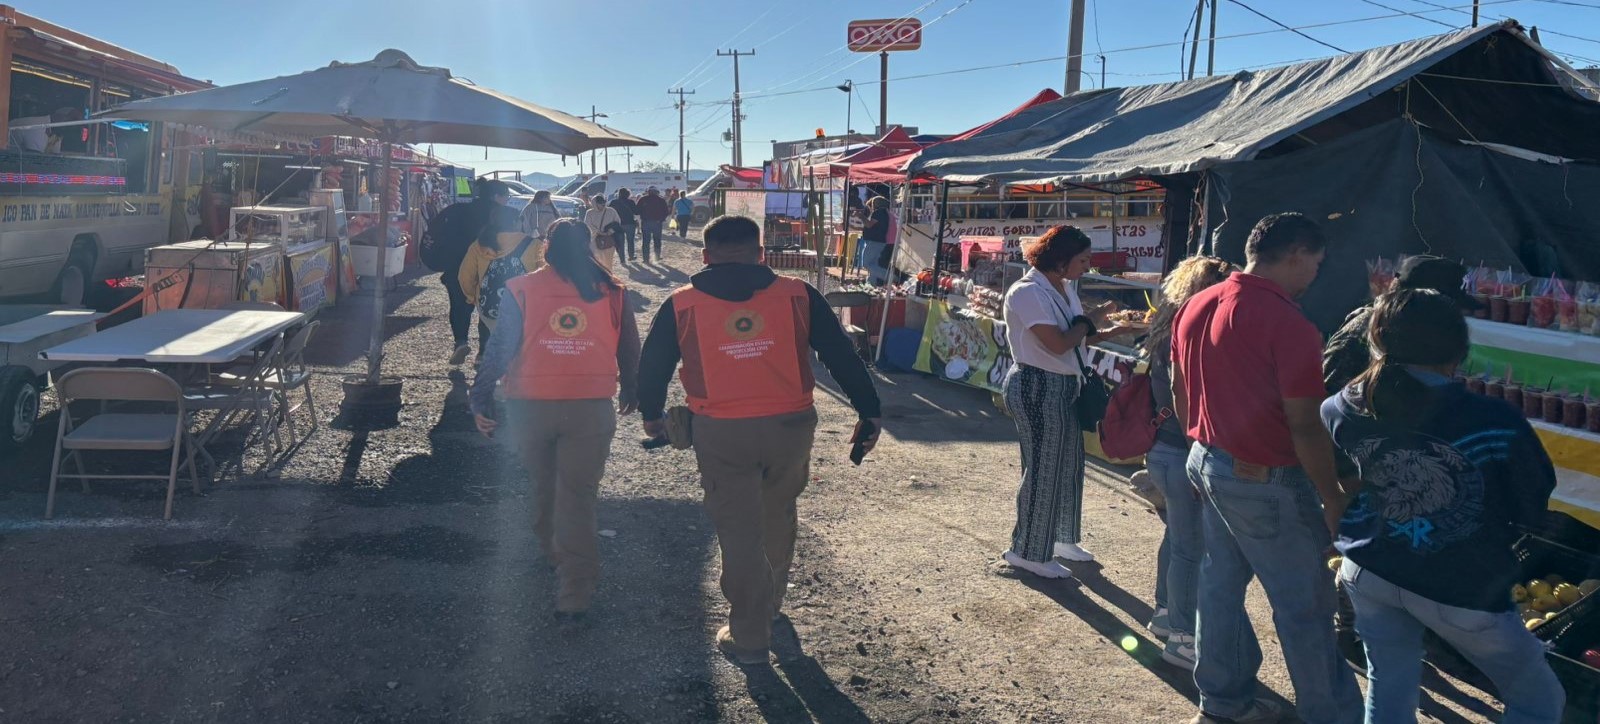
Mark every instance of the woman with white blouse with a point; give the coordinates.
(1049, 333)
(603, 222)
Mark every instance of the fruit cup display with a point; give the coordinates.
(1541, 599)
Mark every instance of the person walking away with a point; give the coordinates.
(604, 226)
(683, 208)
(745, 335)
(876, 250)
(628, 211)
(539, 215)
(1178, 562)
(567, 344)
(1447, 478)
(450, 235)
(653, 213)
(1247, 382)
(1047, 331)
(1347, 355)
(502, 252)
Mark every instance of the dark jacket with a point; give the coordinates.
(1171, 431)
(1346, 355)
(737, 283)
(455, 229)
(1441, 500)
(628, 210)
(652, 207)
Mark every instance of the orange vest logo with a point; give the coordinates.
(744, 325)
(569, 321)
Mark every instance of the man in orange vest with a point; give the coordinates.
(745, 335)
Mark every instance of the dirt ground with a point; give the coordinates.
(392, 576)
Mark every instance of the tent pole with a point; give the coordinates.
(375, 345)
(938, 241)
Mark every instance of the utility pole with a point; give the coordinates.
(1194, 50)
(594, 117)
(1474, 13)
(738, 134)
(1211, 49)
(680, 93)
(1075, 49)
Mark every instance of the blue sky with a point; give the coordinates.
(622, 55)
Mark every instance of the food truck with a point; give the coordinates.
(81, 200)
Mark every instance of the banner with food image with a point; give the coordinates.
(963, 348)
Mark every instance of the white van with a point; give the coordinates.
(635, 183)
(722, 179)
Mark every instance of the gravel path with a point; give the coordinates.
(392, 576)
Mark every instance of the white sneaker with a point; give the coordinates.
(1071, 552)
(1158, 623)
(460, 355)
(1049, 569)
(1179, 651)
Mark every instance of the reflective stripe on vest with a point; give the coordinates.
(569, 346)
(746, 359)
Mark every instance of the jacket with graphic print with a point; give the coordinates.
(1440, 499)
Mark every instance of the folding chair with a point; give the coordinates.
(250, 393)
(121, 431)
(292, 374)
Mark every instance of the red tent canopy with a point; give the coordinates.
(894, 143)
(748, 175)
(890, 168)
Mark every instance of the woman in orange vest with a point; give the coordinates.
(566, 344)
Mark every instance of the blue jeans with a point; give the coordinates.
(1391, 619)
(630, 232)
(1266, 523)
(652, 233)
(1178, 562)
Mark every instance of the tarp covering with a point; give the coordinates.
(1396, 189)
(893, 143)
(1489, 84)
(891, 169)
(749, 175)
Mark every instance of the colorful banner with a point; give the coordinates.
(312, 277)
(962, 348)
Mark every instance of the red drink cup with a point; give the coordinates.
(1572, 412)
(1552, 408)
(1499, 309)
(1512, 393)
(1517, 311)
(1475, 385)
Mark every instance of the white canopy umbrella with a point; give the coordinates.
(391, 99)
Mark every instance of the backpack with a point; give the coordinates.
(1128, 429)
(500, 271)
(436, 239)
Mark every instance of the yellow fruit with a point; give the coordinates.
(1546, 603)
(1567, 594)
(1550, 615)
(1334, 563)
(1589, 586)
(1539, 587)
(1529, 614)
(1519, 593)
(1554, 579)
(1533, 623)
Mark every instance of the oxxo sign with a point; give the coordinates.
(873, 36)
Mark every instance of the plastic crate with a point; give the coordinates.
(1540, 557)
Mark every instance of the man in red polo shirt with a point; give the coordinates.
(1247, 377)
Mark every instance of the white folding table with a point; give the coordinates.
(181, 337)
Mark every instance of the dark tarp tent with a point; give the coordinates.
(1421, 146)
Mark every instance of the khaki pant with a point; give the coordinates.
(564, 445)
(753, 470)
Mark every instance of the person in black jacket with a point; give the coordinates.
(628, 209)
(452, 233)
(1346, 354)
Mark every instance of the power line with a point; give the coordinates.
(1435, 21)
(824, 72)
(1275, 21)
(1544, 31)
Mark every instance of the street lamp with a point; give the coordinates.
(848, 88)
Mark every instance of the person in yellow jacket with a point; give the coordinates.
(501, 253)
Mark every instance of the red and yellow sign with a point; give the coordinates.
(872, 36)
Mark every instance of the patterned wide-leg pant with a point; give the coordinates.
(1050, 502)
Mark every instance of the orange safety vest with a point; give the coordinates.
(569, 346)
(746, 359)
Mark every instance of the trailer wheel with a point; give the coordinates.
(72, 286)
(700, 216)
(19, 407)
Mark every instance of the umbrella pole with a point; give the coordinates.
(375, 346)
